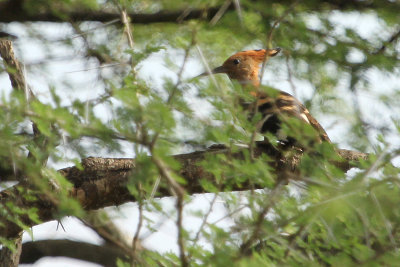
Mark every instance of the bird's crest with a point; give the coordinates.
(258, 55)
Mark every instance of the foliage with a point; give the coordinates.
(325, 217)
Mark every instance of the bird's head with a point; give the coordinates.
(244, 66)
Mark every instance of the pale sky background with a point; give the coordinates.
(87, 87)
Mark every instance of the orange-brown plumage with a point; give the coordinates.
(244, 67)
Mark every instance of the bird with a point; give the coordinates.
(275, 106)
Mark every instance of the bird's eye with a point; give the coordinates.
(236, 61)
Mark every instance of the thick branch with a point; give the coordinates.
(14, 68)
(14, 10)
(103, 181)
(103, 255)
(10, 257)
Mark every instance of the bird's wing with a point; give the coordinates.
(284, 103)
(314, 123)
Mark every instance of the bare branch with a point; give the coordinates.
(16, 74)
(14, 68)
(103, 181)
(104, 255)
(14, 11)
(181, 245)
(100, 222)
(220, 12)
(136, 241)
(392, 39)
(270, 202)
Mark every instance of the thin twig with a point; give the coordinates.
(182, 254)
(102, 58)
(374, 166)
(178, 82)
(388, 225)
(356, 103)
(392, 38)
(256, 130)
(184, 14)
(161, 221)
(364, 219)
(155, 188)
(99, 67)
(269, 40)
(271, 32)
(86, 32)
(300, 232)
(182, 68)
(261, 217)
(165, 172)
(128, 32)
(108, 237)
(228, 215)
(220, 12)
(290, 76)
(135, 241)
(238, 10)
(204, 221)
(209, 71)
(179, 192)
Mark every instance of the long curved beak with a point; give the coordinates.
(220, 69)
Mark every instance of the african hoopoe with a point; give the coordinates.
(244, 67)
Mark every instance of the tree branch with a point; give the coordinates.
(103, 254)
(10, 257)
(15, 11)
(12, 65)
(103, 181)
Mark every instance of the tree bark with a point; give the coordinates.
(8, 257)
(103, 181)
(100, 254)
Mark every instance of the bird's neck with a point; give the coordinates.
(247, 76)
(251, 81)
(251, 86)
